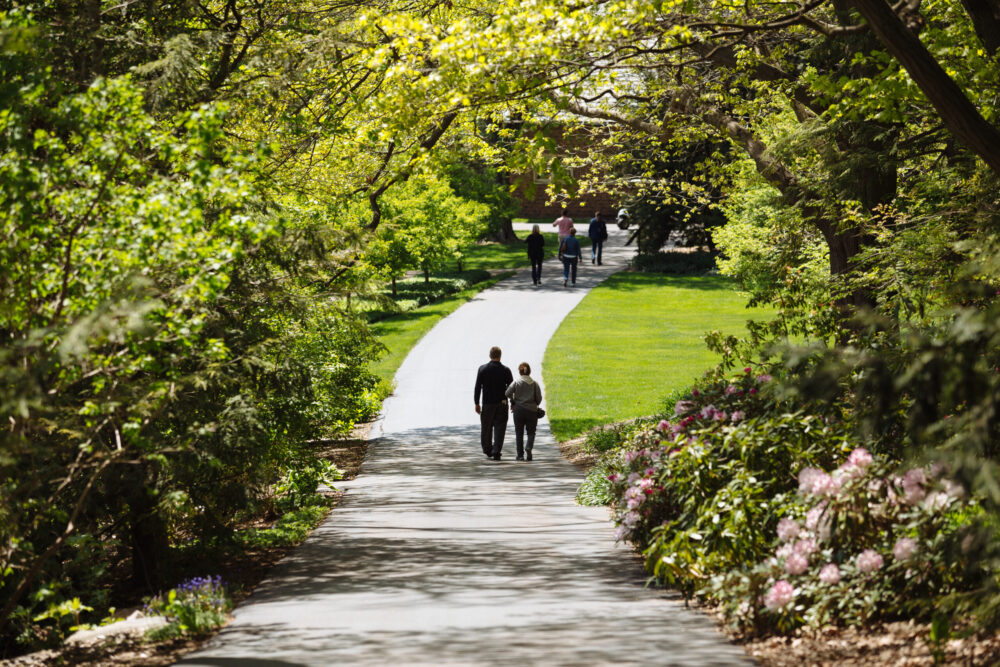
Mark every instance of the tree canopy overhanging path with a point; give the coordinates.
(438, 555)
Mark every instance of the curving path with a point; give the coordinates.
(439, 556)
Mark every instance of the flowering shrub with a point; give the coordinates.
(698, 492)
(856, 544)
(194, 608)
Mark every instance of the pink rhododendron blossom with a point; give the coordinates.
(937, 501)
(737, 416)
(721, 416)
(788, 530)
(764, 378)
(747, 369)
(614, 478)
(631, 456)
(730, 389)
(825, 485)
(860, 458)
(806, 547)
(621, 532)
(784, 551)
(796, 563)
(695, 392)
(807, 477)
(682, 406)
(650, 472)
(753, 390)
(780, 595)
(869, 560)
(905, 547)
(663, 425)
(830, 574)
(814, 515)
(708, 411)
(632, 476)
(630, 519)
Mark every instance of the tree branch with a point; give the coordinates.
(959, 115)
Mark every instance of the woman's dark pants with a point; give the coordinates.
(524, 419)
(536, 270)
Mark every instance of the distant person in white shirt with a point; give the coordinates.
(565, 223)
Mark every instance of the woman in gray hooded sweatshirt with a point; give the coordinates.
(525, 395)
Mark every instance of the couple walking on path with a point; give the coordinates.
(569, 247)
(497, 385)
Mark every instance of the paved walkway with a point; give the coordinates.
(439, 556)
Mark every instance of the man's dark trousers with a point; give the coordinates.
(493, 419)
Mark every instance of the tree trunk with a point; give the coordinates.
(147, 538)
(393, 285)
(985, 15)
(427, 275)
(957, 113)
(506, 232)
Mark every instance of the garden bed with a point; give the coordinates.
(242, 572)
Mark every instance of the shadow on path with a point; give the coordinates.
(438, 555)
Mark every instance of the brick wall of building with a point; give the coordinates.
(530, 195)
(535, 207)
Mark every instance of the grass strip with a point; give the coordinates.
(634, 339)
(401, 332)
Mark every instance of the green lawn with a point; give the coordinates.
(400, 333)
(634, 339)
(509, 255)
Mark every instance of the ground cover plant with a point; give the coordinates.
(609, 357)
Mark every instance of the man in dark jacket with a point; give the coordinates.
(598, 233)
(492, 380)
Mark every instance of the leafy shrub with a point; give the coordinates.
(300, 482)
(596, 486)
(705, 494)
(605, 438)
(678, 262)
(856, 545)
(196, 607)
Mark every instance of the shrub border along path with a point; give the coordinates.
(439, 555)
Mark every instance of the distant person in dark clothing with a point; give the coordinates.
(569, 253)
(525, 395)
(492, 380)
(598, 234)
(536, 252)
